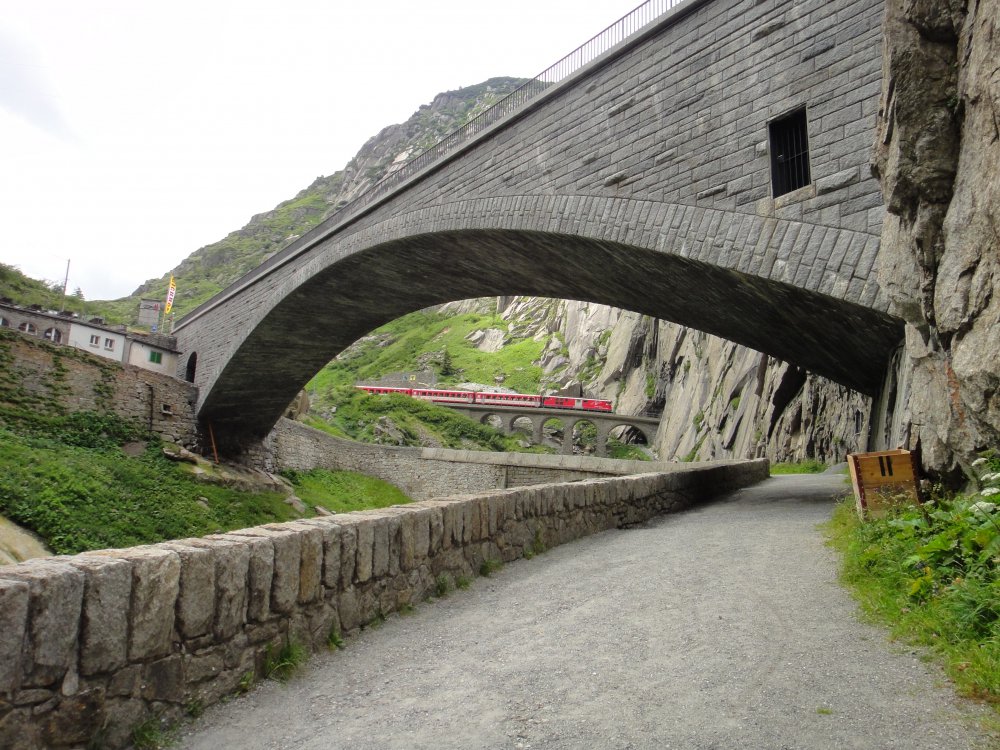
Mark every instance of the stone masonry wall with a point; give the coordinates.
(60, 378)
(93, 645)
(432, 472)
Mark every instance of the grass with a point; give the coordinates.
(930, 574)
(71, 484)
(809, 466)
(489, 567)
(442, 585)
(362, 417)
(65, 477)
(283, 664)
(343, 491)
(420, 340)
(626, 451)
(152, 734)
(334, 640)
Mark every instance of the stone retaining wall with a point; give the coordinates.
(423, 473)
(95, 644)
(64, 379)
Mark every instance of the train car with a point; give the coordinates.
(584, 404)
(444, 396)
(508, 399)
(381, 390)
(595, 404)
(560, 402)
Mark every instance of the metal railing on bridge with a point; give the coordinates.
(586, 53)
(613, 35)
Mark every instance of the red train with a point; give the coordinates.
(494, 399)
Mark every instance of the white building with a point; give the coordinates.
(97, 339)
(150, 351)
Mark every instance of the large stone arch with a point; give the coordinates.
(641, 181)
(278, 347)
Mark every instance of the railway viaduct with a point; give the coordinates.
(603, 422)
(648, 170)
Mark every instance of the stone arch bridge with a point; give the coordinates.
(642, 178)
(604, 422)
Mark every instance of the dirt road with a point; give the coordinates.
(722, 627)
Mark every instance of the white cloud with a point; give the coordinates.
(134, 133)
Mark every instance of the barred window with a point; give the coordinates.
(789, 142)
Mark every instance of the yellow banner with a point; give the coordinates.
(171, 291)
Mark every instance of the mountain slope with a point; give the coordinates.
(210, 269)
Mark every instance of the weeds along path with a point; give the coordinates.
(722, 627)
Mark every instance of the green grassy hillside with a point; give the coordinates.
(66, 476)
(433, 340)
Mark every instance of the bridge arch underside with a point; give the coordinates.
(350, 296)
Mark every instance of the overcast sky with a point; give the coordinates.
(133, 132)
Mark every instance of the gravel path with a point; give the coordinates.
(722, 627)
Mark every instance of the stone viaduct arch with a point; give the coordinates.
(642, 181)
(605, 423)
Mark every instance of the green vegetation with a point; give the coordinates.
(400, 420)
(489, 567)
(626, 451)
(442, 585)
(334, 640)
(283, 664)
(25, 291)
(67, 479)
(343, 491)
(153, 734)
(930, 573)
(808, 466)
(245, 683)
(429, 339)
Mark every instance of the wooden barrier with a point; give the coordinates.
(883, 479)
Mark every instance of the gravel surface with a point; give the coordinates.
(721, 627)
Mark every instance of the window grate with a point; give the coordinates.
(789, 141)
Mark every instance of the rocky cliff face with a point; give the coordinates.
(938, 157)
(718, 399)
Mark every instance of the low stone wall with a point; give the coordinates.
(423, 473)
(95, 644)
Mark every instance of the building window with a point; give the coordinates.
(109, 344)
(95, 340)
(53, 335)
(4, 323)
(28, 328)
(789, 142)
(156, 358)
